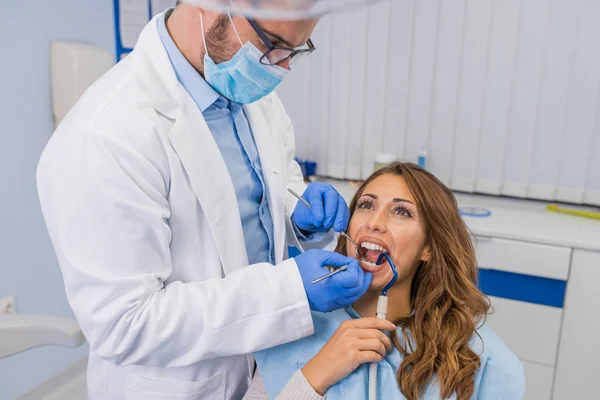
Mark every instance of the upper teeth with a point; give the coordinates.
(373, 246)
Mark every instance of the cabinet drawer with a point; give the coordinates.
(531, 331)
(523, 257)
(538, 381)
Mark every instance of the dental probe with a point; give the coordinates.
(344, 234)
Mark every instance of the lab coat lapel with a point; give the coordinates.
(206, 168)
(194, 144)
(272, 173)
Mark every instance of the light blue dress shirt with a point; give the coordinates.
(232, 133)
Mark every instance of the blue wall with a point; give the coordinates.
(28, 268)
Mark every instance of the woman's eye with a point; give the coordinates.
(365, 205)
(402, 212)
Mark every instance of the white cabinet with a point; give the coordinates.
(524, 258)
(529, 323)
(578, 370)
(559, 347)
(531, 331)
(538, 379)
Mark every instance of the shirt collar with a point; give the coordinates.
(352, 312)
(202, 93)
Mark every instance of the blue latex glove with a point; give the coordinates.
(329, 210)
(338, 291)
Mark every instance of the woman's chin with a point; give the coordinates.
(376, 288)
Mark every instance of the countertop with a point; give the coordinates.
(518, 219)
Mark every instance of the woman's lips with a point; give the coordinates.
(368, 253)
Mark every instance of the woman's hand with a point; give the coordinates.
(355, 342)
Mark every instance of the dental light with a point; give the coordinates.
(280, 9)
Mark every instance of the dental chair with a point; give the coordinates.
(23, 332)
(19, 333)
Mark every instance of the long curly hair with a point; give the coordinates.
(447, 305)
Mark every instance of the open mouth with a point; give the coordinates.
(369, 251)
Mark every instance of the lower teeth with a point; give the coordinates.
(368, 263)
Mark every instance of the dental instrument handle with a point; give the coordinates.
(337, 271)
(296, 195)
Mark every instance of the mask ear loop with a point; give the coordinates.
(234, 29)
(203, 34)
(233, 25)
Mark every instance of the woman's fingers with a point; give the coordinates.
(372, 334)
(369, 357)
(373, 323)
(375, 345)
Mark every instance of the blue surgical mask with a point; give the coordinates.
(242, 79)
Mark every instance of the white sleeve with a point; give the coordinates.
(297, 388)
(106, 208)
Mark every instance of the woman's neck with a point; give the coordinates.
(399, 302)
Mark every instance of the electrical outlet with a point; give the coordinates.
(7, 305)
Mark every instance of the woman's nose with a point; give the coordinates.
(377, 222)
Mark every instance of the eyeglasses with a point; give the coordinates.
(278, 54)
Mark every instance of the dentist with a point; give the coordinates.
(165, 195)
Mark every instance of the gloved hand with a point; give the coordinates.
(329, 210)
(338, 291)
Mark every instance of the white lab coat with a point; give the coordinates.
(143, 216)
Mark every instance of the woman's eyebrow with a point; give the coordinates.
(397, 200)
(403, 201)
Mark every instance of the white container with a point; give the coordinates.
(383, 160)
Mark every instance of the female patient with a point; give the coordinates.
(440, 349)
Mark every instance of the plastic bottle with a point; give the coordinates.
(422, 160)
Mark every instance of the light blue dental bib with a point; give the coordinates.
(499, 377)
